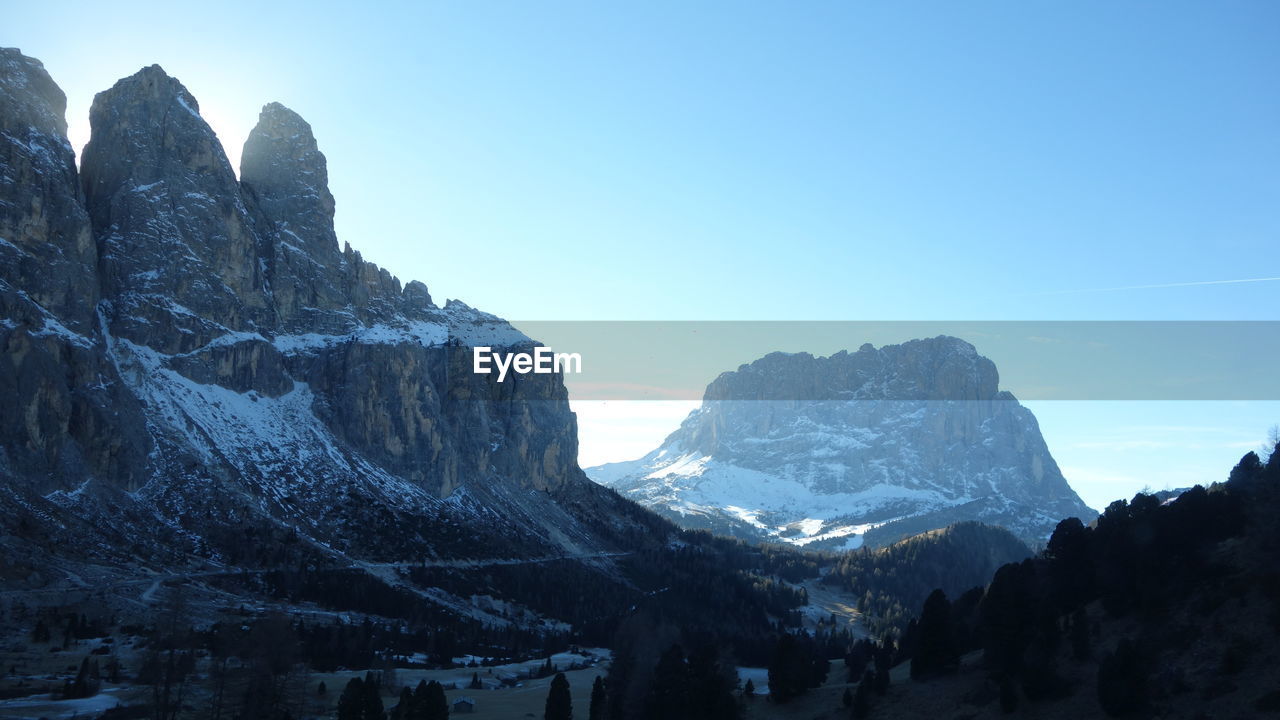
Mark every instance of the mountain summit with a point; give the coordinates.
(872, 445)
(191, 356)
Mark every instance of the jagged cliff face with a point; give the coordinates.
(50, 252)
(65, 417)
(315, 286)
(874, 444)
(193, 351)
(179, 259)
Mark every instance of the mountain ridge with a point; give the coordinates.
(878, 443)
(190, 354)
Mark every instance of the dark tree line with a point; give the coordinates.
(892, 582)
(703, 589)
(798, 664)
(654, 677)
(1140, 560)
(583, 595)
(692, 578)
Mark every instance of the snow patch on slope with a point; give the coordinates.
(426, 334)
(785, 508)
(266, 439)
(456, 323)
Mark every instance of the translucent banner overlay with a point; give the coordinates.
(1060, 360)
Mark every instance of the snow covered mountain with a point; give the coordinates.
(189, 361)
(866, 446)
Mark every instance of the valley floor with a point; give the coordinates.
(526, 699)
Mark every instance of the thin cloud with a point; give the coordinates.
(1161, 285)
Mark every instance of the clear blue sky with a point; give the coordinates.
(737, 160)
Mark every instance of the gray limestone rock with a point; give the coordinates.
(46, 244)
(66, 420)
(834, 450)
(285, 177)
(202, 347)
(179, 256)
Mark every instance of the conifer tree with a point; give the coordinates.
(669, 688)
(403, 706)
(711, 685)
(559, 702)
(1070, 564)
(862, 697)
(430, 702)
(1248, 469)
(599, 700)
(351, 702)
(86, 682)
(372, 697)
(880, 680)
(935, 644)
(787, 669)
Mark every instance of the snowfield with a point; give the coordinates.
(895, 441)
(786, 509)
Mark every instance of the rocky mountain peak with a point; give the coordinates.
(283, 165)
(178, 251)
(285, 182)
(277, 120)
(939, 368)
(177, 343)
(29, 98)
(155, 121)
(880, 443)
(46, 247)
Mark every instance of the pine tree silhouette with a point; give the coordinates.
(559, 702)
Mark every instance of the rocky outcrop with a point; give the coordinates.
(285, 176)
(193, 355)
(178, 253)
(316, 287)
(64, 418)
(45, 238)
(875, 444)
